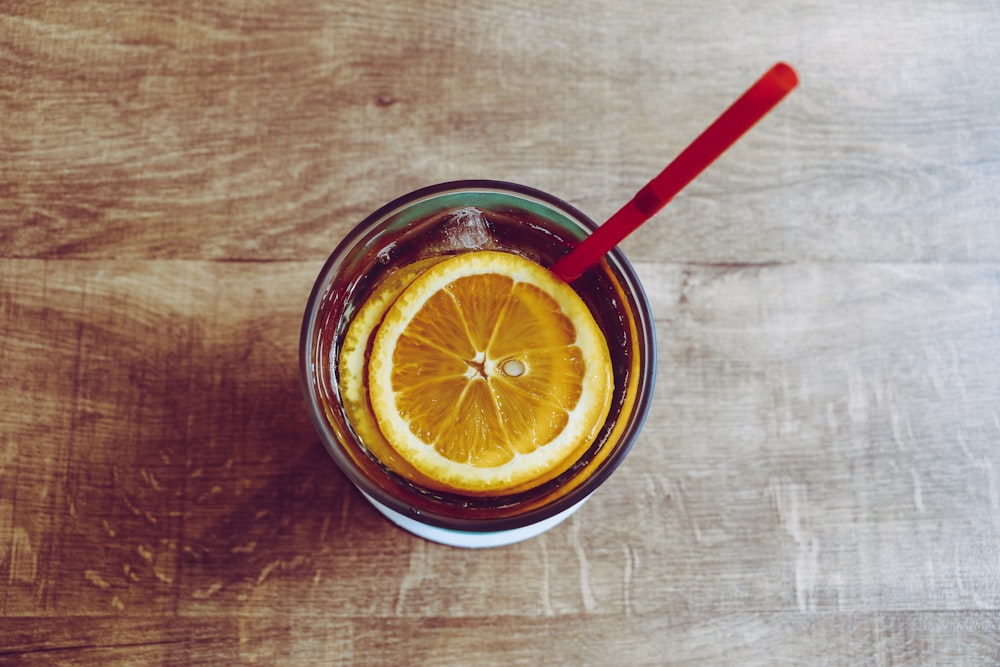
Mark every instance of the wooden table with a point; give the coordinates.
(818, 480)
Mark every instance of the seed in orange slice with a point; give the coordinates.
(489, 373)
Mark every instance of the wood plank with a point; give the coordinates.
(792, 458)
(676, 638)
(265, 133)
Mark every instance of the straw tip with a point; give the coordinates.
(785, 75)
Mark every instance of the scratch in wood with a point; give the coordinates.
(991, 484)
(783, 406)
(282, 564)
(128, 502)
(831, 418)
(261, 514)
(96, 579)
(627, 579)
(679, 495)
(685, 286)
(197, 555)
(586, 593)
(23, 559)
(962, 589)
(965, 448)
(146, 554)
(214, 491)
(897, 435)
(107, 528)
(649, 487)
(934, 374)
(245, 549)
(918, 495)
(986, 466)
(837, 581)
(6, 519)
(165, 578)
(117, 604)
(546, 586)
(790, 499)
(151, 480)
(129, 572)
(242, 485)
(414, 577)
(208, 592)
(857, 398)
(345, 509)
(8, 452)
(324, 528)
(807, 573)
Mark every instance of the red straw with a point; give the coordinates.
(760, 98)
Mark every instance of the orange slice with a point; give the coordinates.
(352, 367)
(489, 373)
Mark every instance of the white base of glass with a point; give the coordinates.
(473, 539)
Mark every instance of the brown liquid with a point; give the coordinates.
(512, 230)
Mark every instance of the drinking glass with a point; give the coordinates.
(456, 217)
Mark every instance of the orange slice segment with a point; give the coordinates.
(489, 373)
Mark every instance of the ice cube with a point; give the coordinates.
(384, 256)
(466, 229)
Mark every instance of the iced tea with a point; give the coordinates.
(452, 219)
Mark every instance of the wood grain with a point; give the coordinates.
(816, 482)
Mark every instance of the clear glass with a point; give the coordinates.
(518, 219)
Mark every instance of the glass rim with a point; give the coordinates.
(646, 346)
